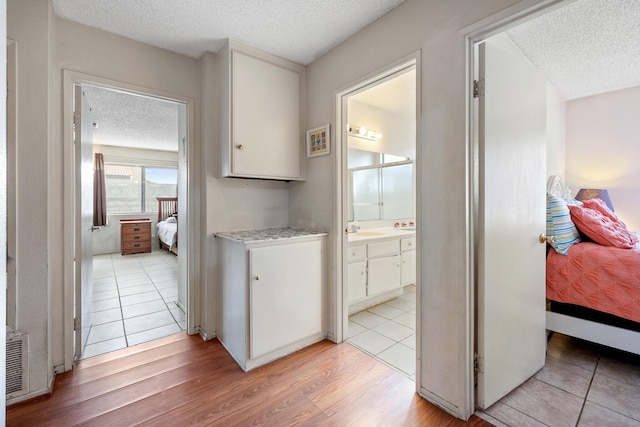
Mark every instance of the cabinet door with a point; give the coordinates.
(285, 295)
(357, 281)
(408, 267)
(266, 137)
(383, 275)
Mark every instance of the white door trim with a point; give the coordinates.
(70, 79)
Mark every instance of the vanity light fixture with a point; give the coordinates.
(363, 132)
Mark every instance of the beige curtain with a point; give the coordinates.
(99, 192)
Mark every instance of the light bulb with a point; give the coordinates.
(362, 131)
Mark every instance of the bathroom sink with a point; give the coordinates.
(370, 233)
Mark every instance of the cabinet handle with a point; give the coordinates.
(136, 237)
(257, 278)
(137, 245)
(136, 229)
(239, 146)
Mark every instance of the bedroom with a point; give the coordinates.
(135, 255)
(592, 131)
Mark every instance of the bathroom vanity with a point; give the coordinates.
(380, 263)
(270, 292)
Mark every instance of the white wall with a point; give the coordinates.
(3, 198)
(29, 23)
(556, 133)
(603, 147)
(434, 27)
(398, 136)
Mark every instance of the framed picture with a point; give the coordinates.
(318, 141)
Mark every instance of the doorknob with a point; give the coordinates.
(546, 239)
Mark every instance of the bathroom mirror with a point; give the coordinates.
(380, 191)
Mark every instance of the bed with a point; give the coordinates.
(167, 226)
(593, 291)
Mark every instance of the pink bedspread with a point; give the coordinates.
(600, 277)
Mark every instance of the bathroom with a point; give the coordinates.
(380, 248)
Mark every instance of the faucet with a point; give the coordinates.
(354, 227)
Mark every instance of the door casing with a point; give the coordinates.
(71, 79)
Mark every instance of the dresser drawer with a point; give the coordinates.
(136, 228)
(357, 253)
(136, 247)
(137, 237)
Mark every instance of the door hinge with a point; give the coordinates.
(478, 363)
(76, 324)
(76, 118)
(478, 88)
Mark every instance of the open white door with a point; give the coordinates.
(84, 220)
(511, 261)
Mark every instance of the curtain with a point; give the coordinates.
(99, 192)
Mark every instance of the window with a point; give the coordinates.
(135, 188)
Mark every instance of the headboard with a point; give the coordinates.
(167, 206)
(557, 187)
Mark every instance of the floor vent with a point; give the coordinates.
(17, 364)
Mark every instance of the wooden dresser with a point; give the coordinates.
(135, 236)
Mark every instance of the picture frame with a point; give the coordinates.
(319, 141)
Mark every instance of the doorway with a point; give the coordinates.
(378, 169)
(136, 291)
(143, 294)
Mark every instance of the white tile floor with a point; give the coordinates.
(134, 300)
(388, 332)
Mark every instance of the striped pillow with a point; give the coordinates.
(560, 225)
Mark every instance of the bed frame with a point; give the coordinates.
(167, 206)
(589, 330)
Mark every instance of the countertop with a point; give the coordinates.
(382, 233)
(265, 234)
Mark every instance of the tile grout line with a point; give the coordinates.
(126, 339)
(584, 402)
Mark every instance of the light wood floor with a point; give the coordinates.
(182, 380)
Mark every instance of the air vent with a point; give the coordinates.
(17, 364)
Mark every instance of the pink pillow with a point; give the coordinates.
(600, 206)
(602, 228)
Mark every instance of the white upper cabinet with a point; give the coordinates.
(261, 106)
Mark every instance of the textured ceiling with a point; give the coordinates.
(298, 30)
(134, 121)
(585, 48)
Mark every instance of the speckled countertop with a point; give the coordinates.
(263, 234)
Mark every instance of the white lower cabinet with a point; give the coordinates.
(378, 268)
(408, 253)
(408, 267)
(357, 281)
(271, 295)
(384, 274)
